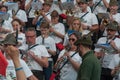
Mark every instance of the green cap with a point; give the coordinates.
(113, 25)
(10, 39)
(113, 3)
(84, 1)
(85, 40)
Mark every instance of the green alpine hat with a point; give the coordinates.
(10, 39)
(113, 26)
(113, 3)
(84, 1)
(85, 40)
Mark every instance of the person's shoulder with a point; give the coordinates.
(50, 38)
(22, 34)
(102, 38)
(40, 46)
(21, 10)
(39, 37)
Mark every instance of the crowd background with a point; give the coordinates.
(76, 39)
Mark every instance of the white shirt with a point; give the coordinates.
(108, 57)
(59, 27)
(68, 72)
(31, 12)
(7, 24)
(22, 40)
(55, 7)
(115, 62)
(11, 69)
(100, 7)
(41, 19)
(39, 51)
(21, 14)
(89, 19)
(49, 43)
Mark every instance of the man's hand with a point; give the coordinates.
(12, 51)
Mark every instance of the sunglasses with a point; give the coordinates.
(71, 39)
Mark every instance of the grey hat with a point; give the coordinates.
(10, 39)
(85, 40)
(84, 1)
(113, 3)
(47, 3)
(113, 26)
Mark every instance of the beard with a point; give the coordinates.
(80, 52)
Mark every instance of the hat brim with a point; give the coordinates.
(77, 42)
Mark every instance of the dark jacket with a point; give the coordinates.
(90, 68)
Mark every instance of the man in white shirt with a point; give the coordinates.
(37, 55)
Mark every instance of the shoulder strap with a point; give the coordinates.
(33, 46)
(14, 13)
(39, 21)
(95, 6)
(83, 15)
(112, 39)
(17, 12)
(30, 9)
(23, 52)
(67, 61)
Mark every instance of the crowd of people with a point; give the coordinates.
(73, 39)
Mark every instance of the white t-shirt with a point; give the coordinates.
(31, 12)
(39, 51)
(59, 27)
(115, 62)
(41, 19)
(22, 40)
(49, 43)
(21, 14)
(100, 7)
(11, 69)
(89, 19)
(68, 72)
(7, 24)
(55, 7)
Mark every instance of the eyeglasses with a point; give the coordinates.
(71, 39)
(30, 36)
(110, 30)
